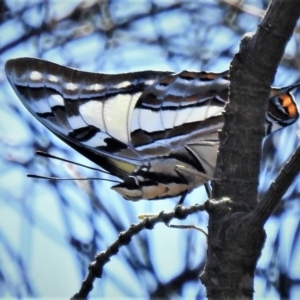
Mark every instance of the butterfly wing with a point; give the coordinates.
(89, 111)
(141, 124)
(282, 108)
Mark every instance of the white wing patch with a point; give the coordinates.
(71, 87)
(202, 113)
(35, 76)
(92, 113)
(133, 120)
(112, 115)
(167, 118)
(145, 115)
(76, 122)
(97, 140)
(115, 112)
(96, 87)
(52, 79)
(181, 116)
(56, 100)
(213, 111)
(122, 85)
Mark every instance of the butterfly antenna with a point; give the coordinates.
(278, 91)
(45, 154)
(292, 86)
(55, 178)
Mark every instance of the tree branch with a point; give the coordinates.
(235, 240)
(251, 75)
(180, 212)
(277, 189)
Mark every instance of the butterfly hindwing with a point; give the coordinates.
(180, 106)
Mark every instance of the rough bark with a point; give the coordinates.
(236, 237)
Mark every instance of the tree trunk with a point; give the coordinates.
(236, 236)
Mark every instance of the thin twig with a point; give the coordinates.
(277, 189)
(180, 212)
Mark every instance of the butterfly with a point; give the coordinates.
(156, 131)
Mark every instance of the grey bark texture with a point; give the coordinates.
(236, 236)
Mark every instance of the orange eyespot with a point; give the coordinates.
(288, 104)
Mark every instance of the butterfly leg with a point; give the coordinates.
(208, 190)
(182, 198)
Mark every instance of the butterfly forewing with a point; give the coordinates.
(92, 111)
